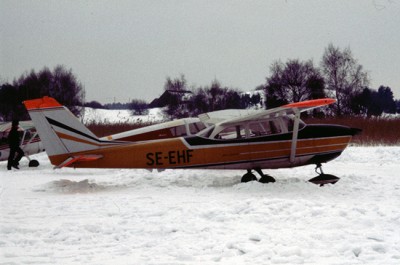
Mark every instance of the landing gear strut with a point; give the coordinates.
(249, 176)
(323, 178)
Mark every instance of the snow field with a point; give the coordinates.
(93, 216)
(107, 116)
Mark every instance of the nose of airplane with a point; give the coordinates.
(322, 130)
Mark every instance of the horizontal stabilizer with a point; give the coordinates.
(81, 158)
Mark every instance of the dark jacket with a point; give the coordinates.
(13, 138)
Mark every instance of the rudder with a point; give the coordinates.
(59, 130)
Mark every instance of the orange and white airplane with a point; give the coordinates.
(256, 140)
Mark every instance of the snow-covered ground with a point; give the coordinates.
(120, 116)
(93, 216)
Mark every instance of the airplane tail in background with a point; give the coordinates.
(59, 130)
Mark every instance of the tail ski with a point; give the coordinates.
(61, 132)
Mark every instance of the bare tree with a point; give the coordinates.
(67, 89)
(293, 81)
(175, 88)
(177, 84)
(139, 107)
(344, 77)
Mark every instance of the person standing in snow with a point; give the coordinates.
(13, 142)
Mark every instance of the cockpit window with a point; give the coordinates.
(289, 122)
(266, 127)
(232, 132)
(206, 132)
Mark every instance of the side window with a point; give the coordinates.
(264, 128)
(275, 126)
(196, 127)
(233, 132)
(289, 123)
(178, 131)
(28, 134)
(256, 129)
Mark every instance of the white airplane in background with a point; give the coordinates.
(30, 141)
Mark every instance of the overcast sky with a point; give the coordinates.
(121, 50)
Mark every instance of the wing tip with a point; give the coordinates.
(311, 103)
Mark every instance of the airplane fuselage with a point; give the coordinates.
(315, 144)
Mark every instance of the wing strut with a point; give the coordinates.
(295, 134)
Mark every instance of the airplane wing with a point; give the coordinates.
(310, 104)
(5, 127)
(291, 108)
(23, 126)
(221, 115)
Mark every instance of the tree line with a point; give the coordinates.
(58, 83)
(185, 101)
(339, 75)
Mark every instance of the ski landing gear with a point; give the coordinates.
(323, 178)
(248, 176)
(251, 177)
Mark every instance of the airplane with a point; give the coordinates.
(30, 141)
(252, 140)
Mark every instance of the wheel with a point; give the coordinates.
(248, 177)
(266, 179)
(33, 163)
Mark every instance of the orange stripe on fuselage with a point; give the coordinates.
(174, 153)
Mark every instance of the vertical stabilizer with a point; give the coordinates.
(59, 130)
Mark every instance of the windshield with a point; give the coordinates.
(289, 122)
(206, 132)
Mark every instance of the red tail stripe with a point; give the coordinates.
(41, 103)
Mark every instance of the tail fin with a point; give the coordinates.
(59, 130)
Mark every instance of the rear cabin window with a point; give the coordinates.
(178, 131)
(259, 129)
